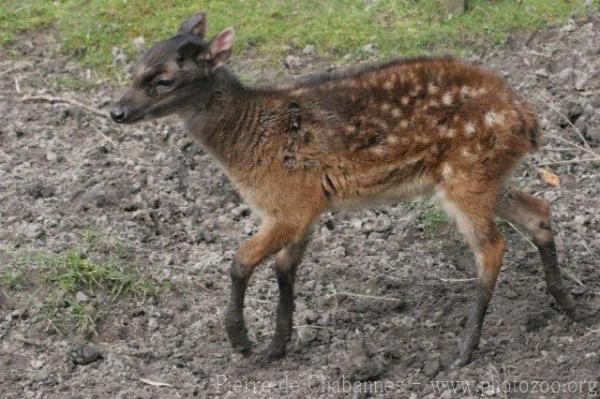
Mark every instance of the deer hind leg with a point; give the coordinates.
(474, 216)
(286, 264)
(271, 237)
(533, 214)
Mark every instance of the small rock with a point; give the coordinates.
(309, 50)
(306, 334)
(153, 324)
(240, 211)
(432, 366)
(550, 196)
(139, 43)
(542, 72)
(569, 27)
(84, 354)
(309, 316)
(370, 48)
(581, 82)
(40, 376)
(80, 297)
(404, 322)
(565, 74)
(382, 223)
(573, 110)
(51, 156)
(361, 365)
(293, 62)
(536, 321)
(36, 364)
(119, 56)
(34, 230)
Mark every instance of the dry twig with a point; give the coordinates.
(4, 154)
(522, 235)
(17, 85)
(571, 276)
(553, 108)
(15, 67)
(382, 298)
(577, 160)
(572, 144)
(457, 280)
(590, 332)
(61, 100)
(155, 383)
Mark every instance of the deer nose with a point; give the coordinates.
(117, 114)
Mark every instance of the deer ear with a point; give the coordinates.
(219, 48)
(190, 48)
(195, 25)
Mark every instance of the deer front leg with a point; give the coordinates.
(271, 237)
(474, 217)
(286, 265)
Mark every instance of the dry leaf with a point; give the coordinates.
(549, 178)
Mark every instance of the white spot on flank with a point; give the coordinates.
(447, 99)
(491, 118)
(404, 123)
(432, 88)
(469, 129)
(385, 107)
(378, 151)
(350, 128)
(415, 91)
(396, 112)
(422, 139)
(431, 104)
(464, 91)
(392, 140)
(404, 100)
(381, 124)
(446, 171)
(389, 85)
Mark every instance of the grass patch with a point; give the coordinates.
(78, 286)
(12, 278)
(73, 83)
(339, 29)
(432, 216)
(433, 219)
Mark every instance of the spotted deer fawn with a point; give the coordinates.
(385, 133)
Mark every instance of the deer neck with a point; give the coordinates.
(222, 118)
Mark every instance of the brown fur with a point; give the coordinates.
(441, 127)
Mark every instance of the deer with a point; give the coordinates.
(439, 127)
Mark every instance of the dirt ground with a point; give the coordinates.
(380, 299)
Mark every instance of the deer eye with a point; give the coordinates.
(165, 82)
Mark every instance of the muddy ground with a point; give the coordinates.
(380, 297)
